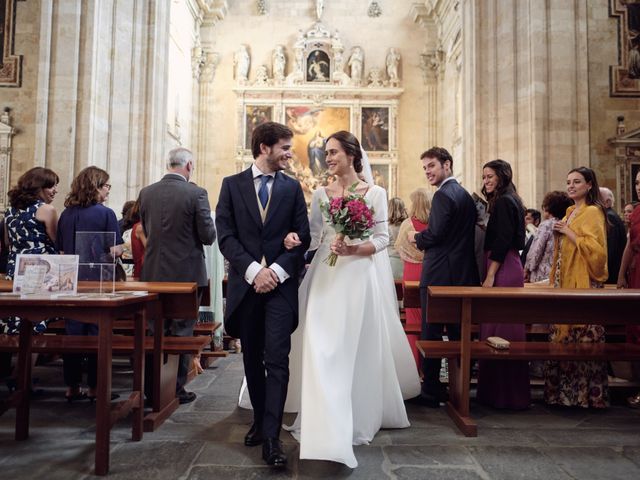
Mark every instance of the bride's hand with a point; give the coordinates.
(291, 241)
(340, 248)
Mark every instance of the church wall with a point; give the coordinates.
(22, 100)
(93, 90)
(395, 28)
(604, 109)
(526, 96)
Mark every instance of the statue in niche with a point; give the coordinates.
(375, 78)
(318, 66)
(241, 62)
(319, 8)
(634, 57)
(279, 62)
(355, 64)
(262, 76)
(393, 59)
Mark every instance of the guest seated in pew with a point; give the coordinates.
(412, 257)
(85, 212)
(580, 261)
(538, 263)
(629, 277)
(503, 384)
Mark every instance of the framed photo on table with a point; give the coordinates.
(46, 274)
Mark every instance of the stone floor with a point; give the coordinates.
(204, 440)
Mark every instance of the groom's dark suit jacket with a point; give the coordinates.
(243, 238)
(448, 241)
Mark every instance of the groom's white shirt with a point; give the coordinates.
(254, 268)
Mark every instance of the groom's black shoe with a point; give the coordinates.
(272, 453)
(254, 437)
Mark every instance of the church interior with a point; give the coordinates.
(544, 85)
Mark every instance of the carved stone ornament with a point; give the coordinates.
(6, 133)
(262, 76)
(374, 9)
(625, 76)
(10, 64)
(375, 78)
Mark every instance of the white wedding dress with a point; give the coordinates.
(350, 362)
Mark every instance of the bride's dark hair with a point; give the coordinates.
(351, 146)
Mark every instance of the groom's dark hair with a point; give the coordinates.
(440, 154)
(269, 134)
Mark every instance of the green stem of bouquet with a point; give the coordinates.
(333, 257)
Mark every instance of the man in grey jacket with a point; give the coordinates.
(177, 222)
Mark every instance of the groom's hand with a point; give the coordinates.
(265, 281)
(291, 241)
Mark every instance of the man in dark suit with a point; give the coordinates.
(449, 257)
(176, 219)
(616, 235)
(256, 210)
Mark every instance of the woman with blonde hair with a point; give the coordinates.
(412, 257)
(397, 214)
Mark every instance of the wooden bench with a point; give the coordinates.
(120, 344)
(476, 305)
(99, 310)
(175, 300)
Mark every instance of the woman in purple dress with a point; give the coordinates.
(503, 384)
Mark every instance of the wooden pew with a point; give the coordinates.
(476, 305)
(99, 310)
(175, 300)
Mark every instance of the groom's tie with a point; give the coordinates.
(263, 191)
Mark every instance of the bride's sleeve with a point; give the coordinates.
(380, 237)
(316, 223)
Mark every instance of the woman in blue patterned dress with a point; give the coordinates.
(31, 220)
(30, 227)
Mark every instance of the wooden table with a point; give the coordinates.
(102, 311)
(174, 300)
(476, 305)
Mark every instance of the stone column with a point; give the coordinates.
(430, 63)
(205, 113)
(525, 94)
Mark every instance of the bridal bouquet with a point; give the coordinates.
(350, 216)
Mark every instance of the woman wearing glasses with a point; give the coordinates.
(85, 212)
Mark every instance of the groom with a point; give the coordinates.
(257, 208)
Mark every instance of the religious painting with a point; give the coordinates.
(625, 77)
(10, 64)
(375, 129)
(318, 67)
(381, 175)
(255, 115)
(311, 126)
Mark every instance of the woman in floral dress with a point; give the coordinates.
(580, 261)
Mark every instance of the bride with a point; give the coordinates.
(351, 365)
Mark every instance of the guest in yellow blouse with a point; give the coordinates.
(580, 261)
